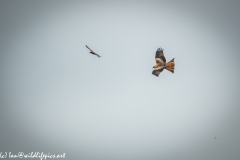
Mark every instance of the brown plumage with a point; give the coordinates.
(92, 52)
(161, 63)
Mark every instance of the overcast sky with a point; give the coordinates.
(57, 98)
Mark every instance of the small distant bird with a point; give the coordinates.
(91, 51)
(161, 63)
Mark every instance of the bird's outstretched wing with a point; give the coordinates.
(159, 58)
(157, 72)
(89, 48)
(159, 54)
(98, 55)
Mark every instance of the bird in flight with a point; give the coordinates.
(92, 52)
(161, 63)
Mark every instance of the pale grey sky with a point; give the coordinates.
(57, 98)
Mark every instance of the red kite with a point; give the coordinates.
(91, 51)
(161, 63)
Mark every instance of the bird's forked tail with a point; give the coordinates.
(170, 66)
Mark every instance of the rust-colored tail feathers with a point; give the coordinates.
(170, 65)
